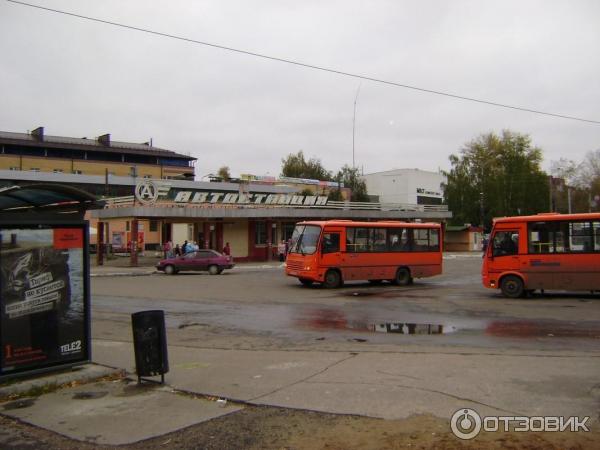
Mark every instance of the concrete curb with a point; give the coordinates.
(79, 374)
(140, 273)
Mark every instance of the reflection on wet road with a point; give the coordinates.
(387, 325)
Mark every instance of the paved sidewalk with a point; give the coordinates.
(206, 383)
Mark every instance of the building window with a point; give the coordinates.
(147, 176)
(13, 168)
(57, 171)
(260, 233)
(153, 225)
(127, 226)
(77, 172)
(35, 169)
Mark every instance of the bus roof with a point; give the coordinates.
(380, 223)
(546, 217)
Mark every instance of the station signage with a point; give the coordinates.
(149, 192)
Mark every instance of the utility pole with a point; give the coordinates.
(481, 212)
(354, 123)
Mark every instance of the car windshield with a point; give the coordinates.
(304, 239)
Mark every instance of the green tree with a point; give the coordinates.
(496, 176)
(224, 174)
(296, 166)
(351, 179)
(335, 195)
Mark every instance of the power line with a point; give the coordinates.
(306, 65)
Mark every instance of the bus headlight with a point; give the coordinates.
(306, 267)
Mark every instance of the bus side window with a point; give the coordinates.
(394, 236)
(350, 245)
(506, 243)
(330, 243)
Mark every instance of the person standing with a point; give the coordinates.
(167, 246)
(227, 250)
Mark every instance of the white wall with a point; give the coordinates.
(402, 185)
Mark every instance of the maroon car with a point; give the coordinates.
(209, 260)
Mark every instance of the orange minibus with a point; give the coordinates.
(334, 251)
(545, 251)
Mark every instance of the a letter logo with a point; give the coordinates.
(146, 192)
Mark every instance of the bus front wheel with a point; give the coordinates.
(332, 279)
(512, 286)
(403, 277)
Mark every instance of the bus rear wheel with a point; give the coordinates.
(403, 277)
(512, 286)
(332, 279)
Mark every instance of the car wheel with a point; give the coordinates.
(512, 286)
(332, 279)
(170, 270)
(213, 270)
(403, 277)
(306, 281)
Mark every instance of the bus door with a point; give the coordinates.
(330, 254)
(504, 250)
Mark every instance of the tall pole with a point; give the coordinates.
(354, 123)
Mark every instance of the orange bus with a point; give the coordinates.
(331, 252)
(545, 251)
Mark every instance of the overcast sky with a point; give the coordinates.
(80, 78)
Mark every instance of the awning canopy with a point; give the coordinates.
(46, 198)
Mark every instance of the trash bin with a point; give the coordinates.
(150, 344)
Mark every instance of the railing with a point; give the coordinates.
(129, 201)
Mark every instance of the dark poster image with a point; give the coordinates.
(43, 317)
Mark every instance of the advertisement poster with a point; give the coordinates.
(43, 317)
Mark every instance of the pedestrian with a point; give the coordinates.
(167, 249)
(184, 247)
(177, 250)
(227, 250)
(281, 250)
(195, 247)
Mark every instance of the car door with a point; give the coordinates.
(203, 259)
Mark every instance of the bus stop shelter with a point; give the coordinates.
(44, 278)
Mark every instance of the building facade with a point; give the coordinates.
(38, 152)
(253, 218)
(409, 186)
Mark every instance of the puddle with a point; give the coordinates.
(330, 319)
(531, 329)
(19, 404)
(413, 328)
(420, 324)
(89, 395)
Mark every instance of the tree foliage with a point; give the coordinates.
(224, 174)
(296, 166)
(351, 179)
(579, 181)
(496, 176)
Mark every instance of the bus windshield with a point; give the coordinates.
(305, 239)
